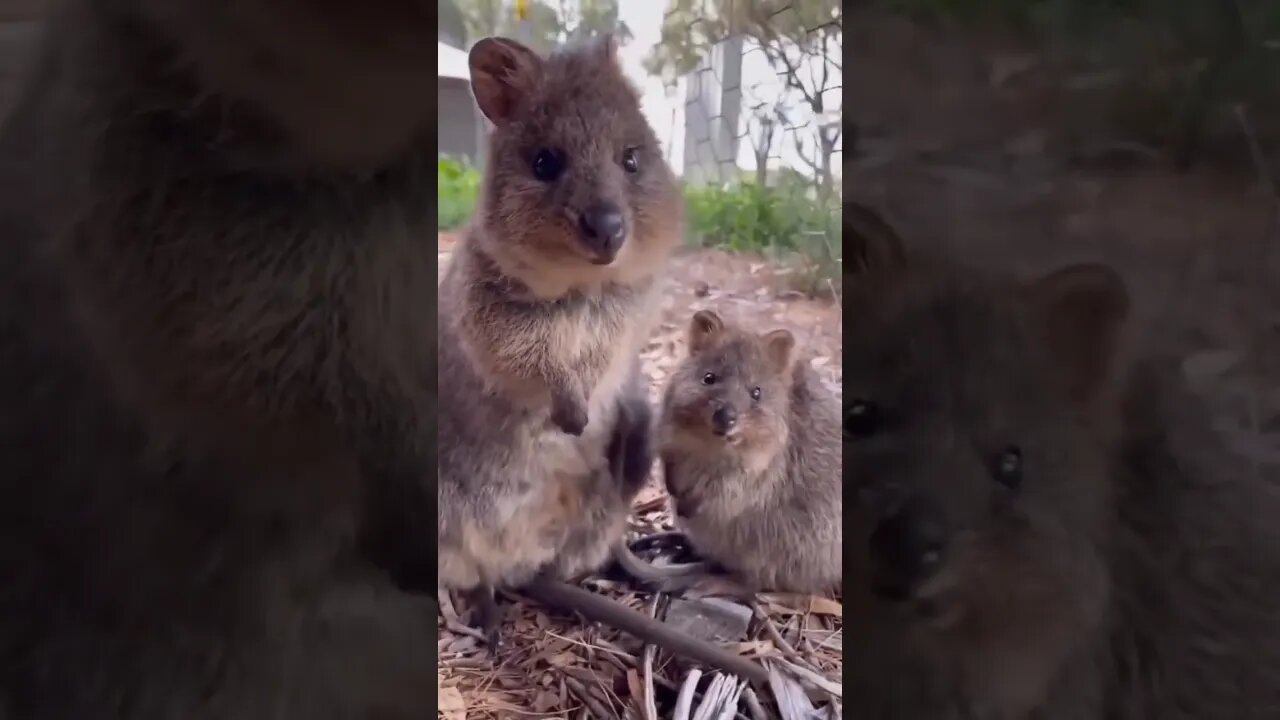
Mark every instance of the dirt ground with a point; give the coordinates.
(556, 667)
(971, 143)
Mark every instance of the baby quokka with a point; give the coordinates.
(750, 446)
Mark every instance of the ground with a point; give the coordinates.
(554, 666)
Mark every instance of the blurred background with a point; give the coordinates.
(746, 100)
(20, 25)
(1146, 133)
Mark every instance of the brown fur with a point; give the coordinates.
(1131, 570)
(764, 501)
(539, 345)
(217, 364)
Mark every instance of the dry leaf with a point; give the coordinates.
(784, 603)
(507, 682)
(752, 647)
(450, 704)
(545, 701)
(633, 685)
(563, 659)
(825, 606)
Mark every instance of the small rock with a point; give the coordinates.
(710, 619)
(701, 289)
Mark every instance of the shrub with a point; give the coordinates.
(748, 217)
(458, 187)
(782, 222)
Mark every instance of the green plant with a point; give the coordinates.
(748, 217)
(458, 186)
(783, 222)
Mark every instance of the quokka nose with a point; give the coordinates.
(603, 228)
(723, 420)
(907, 547)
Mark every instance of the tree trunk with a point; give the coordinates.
(762, 147)
(826, 180)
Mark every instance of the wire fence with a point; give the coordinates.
(758, 136)
(749, 88)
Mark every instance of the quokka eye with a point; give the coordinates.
(709, 379)
(862, 419)
(755, 393)
(548, 164)
(1008, 467)
(631, 160)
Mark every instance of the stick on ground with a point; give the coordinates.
(601, 609)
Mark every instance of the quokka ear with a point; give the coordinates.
(779, 349)
(704, 330)
(503, 73)
(1084, 308)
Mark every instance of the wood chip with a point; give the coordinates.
(451, 704)
(825, 606)
(563, 659)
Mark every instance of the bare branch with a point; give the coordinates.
(814, 80)
(814, 165)
(826, 70)
(792, 78)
